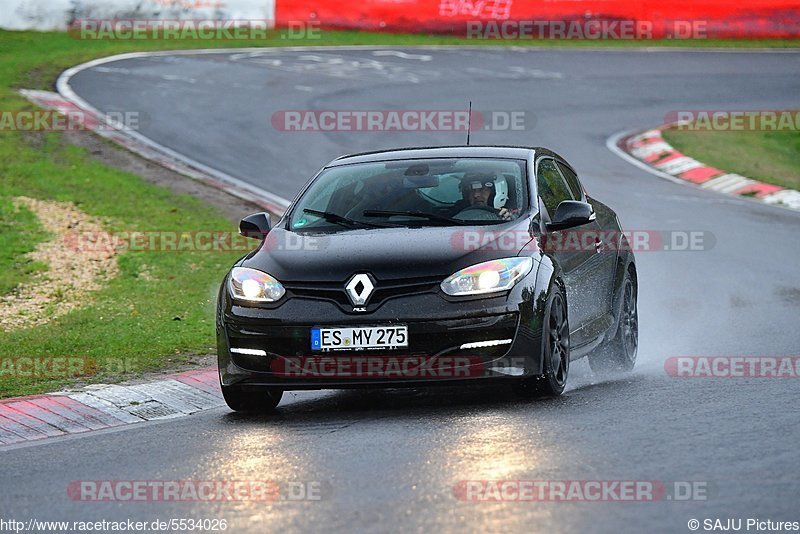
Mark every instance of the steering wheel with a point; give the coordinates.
(478, 213)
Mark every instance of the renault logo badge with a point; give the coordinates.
(359, 289)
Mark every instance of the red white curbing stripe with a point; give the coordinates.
(36, 417)
(650, 151)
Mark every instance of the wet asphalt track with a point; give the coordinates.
(389, 460)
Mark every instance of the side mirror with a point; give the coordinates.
(256, 225)
(571, 213)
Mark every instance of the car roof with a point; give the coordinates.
(463, 151)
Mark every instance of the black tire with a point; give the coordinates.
(251, 401)
(618, 355)
(555, 350)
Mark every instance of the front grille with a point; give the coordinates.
(384, 290)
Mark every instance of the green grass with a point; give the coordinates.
(771, 157)
(20, 231)
(129, 326)
(131, 319)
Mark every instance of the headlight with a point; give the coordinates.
(254, 286)
(487, 277)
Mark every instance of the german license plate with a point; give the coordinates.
(359, 337)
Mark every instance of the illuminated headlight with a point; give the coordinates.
(487, 277)
(254, 286)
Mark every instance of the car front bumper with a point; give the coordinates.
(438, 330)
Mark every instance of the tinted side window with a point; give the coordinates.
(572, 181)
(551, 185)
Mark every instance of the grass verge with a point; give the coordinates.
(157, 312)
(771, 157)
(20, 231)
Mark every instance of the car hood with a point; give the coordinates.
(386, 253)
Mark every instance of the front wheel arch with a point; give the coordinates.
(555, 347)
(618, 354)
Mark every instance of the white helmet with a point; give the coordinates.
(496, 182)
(500, 191)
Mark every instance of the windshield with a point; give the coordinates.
(411, 193)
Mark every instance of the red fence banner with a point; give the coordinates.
(560, 19)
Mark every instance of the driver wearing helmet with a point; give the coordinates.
(481, 190)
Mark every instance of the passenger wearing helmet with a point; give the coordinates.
(483, 191)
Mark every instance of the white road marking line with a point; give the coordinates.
(404, 55)
(515, 73)
(537, 73)
(116, 70)
(265, 61)
(177, 78)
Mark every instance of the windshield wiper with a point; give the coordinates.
(429, 216)
(341, 220)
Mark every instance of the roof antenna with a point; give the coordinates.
(469, 121)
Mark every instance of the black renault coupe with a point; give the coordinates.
(422, 266)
